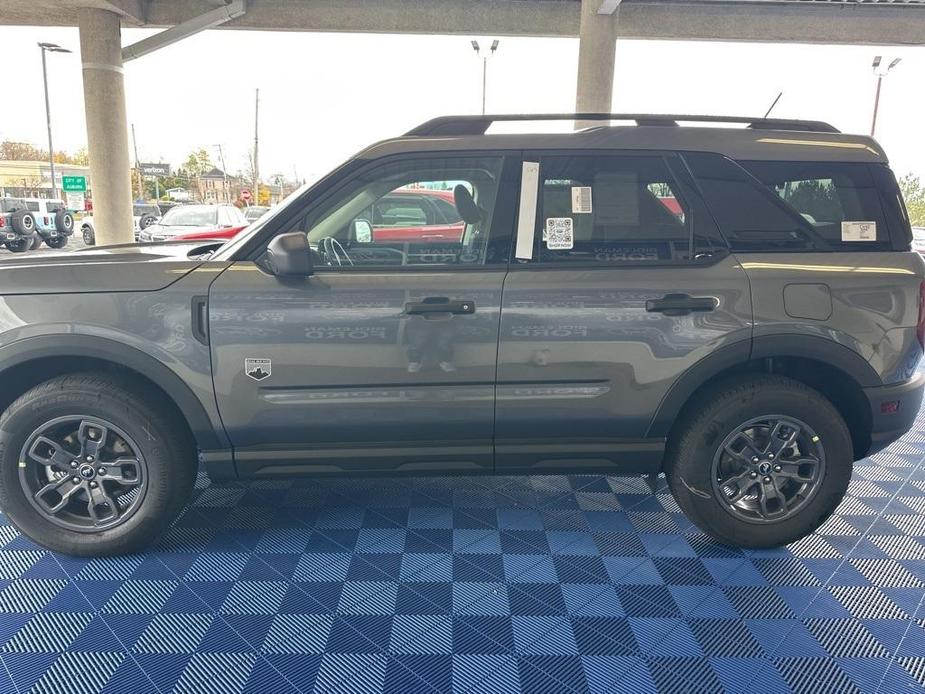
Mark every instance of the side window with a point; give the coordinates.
(751, 217)
(390, 215)
(839, 200)
(32, 206)
(611, 209)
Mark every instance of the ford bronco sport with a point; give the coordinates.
(737, 307)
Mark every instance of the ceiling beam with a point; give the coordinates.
(839, 23)
(207, 20)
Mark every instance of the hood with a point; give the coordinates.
(123, 268)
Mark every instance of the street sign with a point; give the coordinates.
(245, 195)
(154, 169)
(74, 184)
(75, 201)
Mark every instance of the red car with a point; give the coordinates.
(405, 215)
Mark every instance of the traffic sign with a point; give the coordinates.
(74, 184)
(75, 201)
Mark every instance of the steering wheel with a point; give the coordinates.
(334, 252)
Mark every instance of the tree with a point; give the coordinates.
(23, 151)
(198, 162)
(914, 195)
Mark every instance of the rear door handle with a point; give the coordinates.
(440, 304)
(680, 304)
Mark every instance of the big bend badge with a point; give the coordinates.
(258, 369)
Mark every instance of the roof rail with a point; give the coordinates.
(479, 125)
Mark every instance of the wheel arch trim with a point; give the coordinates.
(89, 346)
(792, 345)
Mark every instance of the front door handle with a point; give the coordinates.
(680, 304)
(440, 304)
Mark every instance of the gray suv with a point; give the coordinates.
(737, 307)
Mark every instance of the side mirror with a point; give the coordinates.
(362, 231)
(289, 255)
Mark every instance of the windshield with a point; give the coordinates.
(191, 216)
(252, 213)
(918, 233)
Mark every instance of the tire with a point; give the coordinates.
(133, 424)
(23, 222)
(699, 458)
(64, 223)
(57, 242)
(36, 242)
(146, 220)
(23, 243)
(89, 236)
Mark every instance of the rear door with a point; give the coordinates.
(385, 358)
(626, 286)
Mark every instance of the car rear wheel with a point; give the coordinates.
(93, 465)
(762, 461)
(36, 242)
(89, 236)
(57, 242)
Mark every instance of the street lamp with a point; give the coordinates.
(51, 48)
(880, 71)
(477, 49)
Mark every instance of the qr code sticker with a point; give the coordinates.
(559, 234)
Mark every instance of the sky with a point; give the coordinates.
(323, 97)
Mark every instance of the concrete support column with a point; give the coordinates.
(107, 126)
(597, 46)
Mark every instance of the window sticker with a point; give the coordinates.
(560, 234)
(858, 231)
(581, 199)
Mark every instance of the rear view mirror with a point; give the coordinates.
(362, 231)
(289, 255)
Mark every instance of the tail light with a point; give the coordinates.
(920, 326)
(2, 223)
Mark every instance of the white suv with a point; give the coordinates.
(143, 216)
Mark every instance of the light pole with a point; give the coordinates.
(880, 72)
(478, 51)
(221, 158)
(51, 48)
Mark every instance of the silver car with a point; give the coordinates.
(184, 219)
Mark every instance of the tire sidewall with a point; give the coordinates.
(18, 424)
(691, 474)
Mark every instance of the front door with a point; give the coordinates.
(384, 359)
(627, 287)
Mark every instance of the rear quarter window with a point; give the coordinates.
(802, 206)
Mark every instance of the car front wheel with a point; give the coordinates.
(93, 465)
(763, 461)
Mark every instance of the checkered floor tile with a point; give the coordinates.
(534, 584)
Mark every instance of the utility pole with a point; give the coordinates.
(256, 194)
(141, 193)
(54, 48)
(221, 158)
